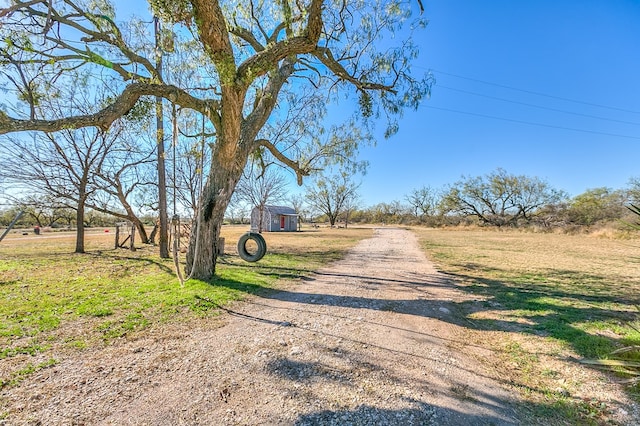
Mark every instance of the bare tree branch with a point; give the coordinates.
(247, 36)
(8, 10)
(300, 170)
(120, 107)
(326, 57)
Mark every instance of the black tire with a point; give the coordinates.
(260, 242)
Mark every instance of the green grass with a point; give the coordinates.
(31, 349)
(19, 375)
(57, 300)
(125, 291)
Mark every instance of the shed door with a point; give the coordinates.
(282, 223)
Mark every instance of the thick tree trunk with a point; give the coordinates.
(202, 253)
(201, 258)
(216, 195)
(235, 139)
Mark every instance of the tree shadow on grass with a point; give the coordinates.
(555, 282)
(552, 310)
(472, 406)
(549, 312)
(560, 313)
(145, 260)
(266, 268)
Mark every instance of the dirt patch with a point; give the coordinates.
(373, 339)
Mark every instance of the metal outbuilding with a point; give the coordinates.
(274, 219)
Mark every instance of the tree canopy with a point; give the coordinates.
(333, 195)
(500, 198)
(261, 73)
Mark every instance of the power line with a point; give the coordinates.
(530, 123)
(531, 92)
(538, 106)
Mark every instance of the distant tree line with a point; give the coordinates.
(502, 199)
(498, 199)
(48, 213)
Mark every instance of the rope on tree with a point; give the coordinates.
(175, 220)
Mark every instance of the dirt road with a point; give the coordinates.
(372, 339)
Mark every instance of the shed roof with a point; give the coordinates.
(282, 210)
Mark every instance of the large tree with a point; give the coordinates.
(84, 168)
(60, 165)
(597, 204)
(243, 54)
(423, 201)
(500, 198)
(333, 195)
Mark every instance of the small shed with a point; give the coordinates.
(274, 219)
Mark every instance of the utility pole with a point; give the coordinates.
(163, 234)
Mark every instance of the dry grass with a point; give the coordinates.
(544, 303)
(309, 241)
(57, 242)
(579, 265)
(534, 250)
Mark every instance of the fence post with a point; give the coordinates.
(132, 247)
(117, 236)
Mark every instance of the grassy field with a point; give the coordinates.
(572, 297)
(54, 300)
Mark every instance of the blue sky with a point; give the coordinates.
(489, 60)
(512, 79)
(493, 61)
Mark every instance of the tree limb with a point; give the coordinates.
(120, 107)
(326, 57)
(8, 10)
(300, 171)
(212, 29)
(113, 37)
(247, 36)
(262, 62)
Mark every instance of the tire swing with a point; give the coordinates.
(249, 253)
